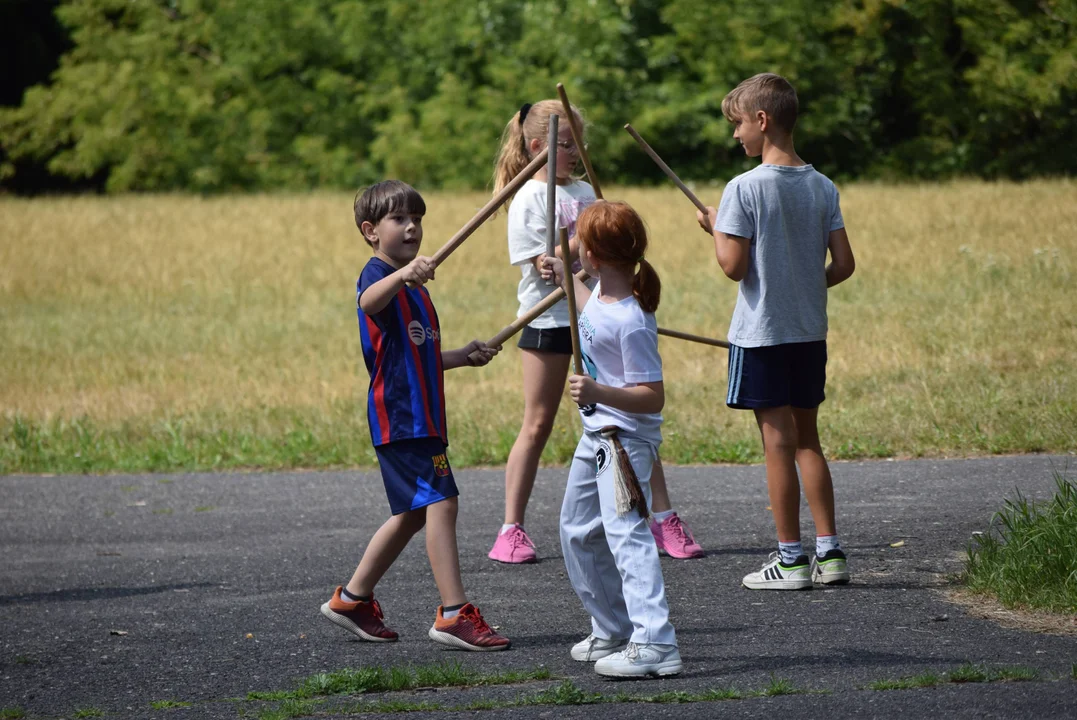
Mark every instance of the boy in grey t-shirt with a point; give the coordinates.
(772, 232)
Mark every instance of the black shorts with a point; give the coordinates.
(551, 340)
(777, 375)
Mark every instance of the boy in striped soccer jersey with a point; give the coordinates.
(406, 411)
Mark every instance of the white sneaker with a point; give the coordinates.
(774, 575)
(831, 569)
(595, 648)
(638, 660)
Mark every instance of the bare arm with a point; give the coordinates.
(573, 250)
(842, 263)
(645, 398)
(377, 296)
(461, 357)
(732, 251)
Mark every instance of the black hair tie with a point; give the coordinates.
(524, 109)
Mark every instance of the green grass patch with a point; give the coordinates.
(356, 681)
(291, 708)
(169, 704)
(12, 713)
(88, 713)
(24, 660)
(1029, 557)
(968, 673)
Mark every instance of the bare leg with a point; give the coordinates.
(659, 493)
(383, 549)
(442, 551)
(818, 485)
(544, 383)
(779, 434)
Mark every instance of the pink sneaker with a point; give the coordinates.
(513, 546)
(675, 538)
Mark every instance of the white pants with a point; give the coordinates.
(612, 561)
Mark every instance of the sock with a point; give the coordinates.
(790, 552)
(450, 611)
(661, 517)
(347, 596)
(826, 543)
(506, 527)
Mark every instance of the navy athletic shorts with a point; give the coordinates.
(416, 473)
(777, 375)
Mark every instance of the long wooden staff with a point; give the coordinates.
(510, 330)
(551, 191)
(487, 210)
(577, 137)
(666, 169)
(570, 294)
(692, 338)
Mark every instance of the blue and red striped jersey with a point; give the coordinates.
(402, 350)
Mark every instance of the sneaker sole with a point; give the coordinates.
(453, 641)
(840, 579)
(778, 585)
(338, 619)
(527, 561)
(660, 670)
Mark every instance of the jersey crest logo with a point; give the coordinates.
(441, 465)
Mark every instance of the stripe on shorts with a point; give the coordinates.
(736, 365)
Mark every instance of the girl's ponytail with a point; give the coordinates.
(614, 233)
(647, 287)
(512, 158)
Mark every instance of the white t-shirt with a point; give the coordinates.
(527, 240)
(619, 344)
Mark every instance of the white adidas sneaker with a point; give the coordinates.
(774, 575)
(594, 648)
(639, 660)
(831, 569)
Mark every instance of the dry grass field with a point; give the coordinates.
(176, 332)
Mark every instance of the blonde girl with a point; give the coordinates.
(545, 344)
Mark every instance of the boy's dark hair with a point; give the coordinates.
(385, 198)
(768, 92)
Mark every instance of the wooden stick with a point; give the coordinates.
(570, 294)
(666, 169)
(692, 338)
(551, 191)
(577, 137)
(510, 330)
(488, 209)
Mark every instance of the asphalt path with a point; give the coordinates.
(119, 591)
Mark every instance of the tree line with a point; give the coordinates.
(250, 95)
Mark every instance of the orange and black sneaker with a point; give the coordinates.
(362, 618)
(467, 631)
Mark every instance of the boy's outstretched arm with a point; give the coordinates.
(645, 398)
(461, 357)
(842, 262)
(732, 251)
(377, 296)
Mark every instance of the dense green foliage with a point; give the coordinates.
(218, 95)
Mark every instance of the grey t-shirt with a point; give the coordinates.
(788, 213)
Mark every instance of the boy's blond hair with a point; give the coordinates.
(768, 92)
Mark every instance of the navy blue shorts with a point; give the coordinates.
(777, 375)
(416, 473)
